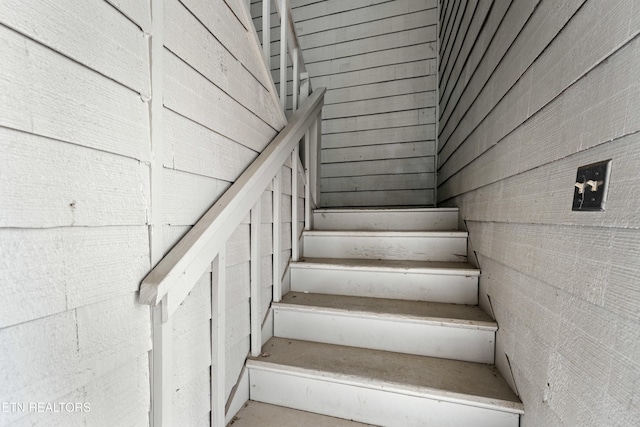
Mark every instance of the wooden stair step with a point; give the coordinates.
(417, 219)
(387, 245)
(381, 387)
(460, 332)
(257, 414)
(448, 282)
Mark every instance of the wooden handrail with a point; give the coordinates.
(177, 273)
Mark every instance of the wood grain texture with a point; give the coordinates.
(378, 61)
(379, 136)
(519, 126)
(417, 52)
(376, 75)
(416, 117)
(379, 198)
(371, 13)
(192, 42)
(462, 54)
(515, 18)
(190, 94)
(123, 54)
(47, 183)
(408, 181)
(187, 196)
(379, 152)
(369, 29)
(52, 96)
(137, 11)
(474, 56)
(40, 281)
(379, 167)
(412, 101)
(226, 28)
(85, 344)
(504, 77)
(382, 42)
(381, 90)
(191, 147)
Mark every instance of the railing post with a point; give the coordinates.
(295, 253)
(305, 86)
(218, 326)
(256, 318)
(308, 201)
(161, 366)
(296, 77)
(284, 23)
(266, 31)
(277, 227)
(314, 158)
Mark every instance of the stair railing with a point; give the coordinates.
(171, 280)
(289, 49)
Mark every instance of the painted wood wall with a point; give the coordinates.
(530, 91)
(377, 60)
(117, 132)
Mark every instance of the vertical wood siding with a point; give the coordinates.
(76, 219)
(378, 62)
(531, 91)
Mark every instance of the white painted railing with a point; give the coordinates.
(289, 49)
(168, 284)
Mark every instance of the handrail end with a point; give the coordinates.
(149, 293)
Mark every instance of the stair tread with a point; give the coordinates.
(383, 209)
(386, 233)
(261, 414)
(443, 379)
(455, 314)
(440, 267)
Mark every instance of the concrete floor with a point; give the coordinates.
(256, 414)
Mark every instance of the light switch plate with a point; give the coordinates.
(592, 183)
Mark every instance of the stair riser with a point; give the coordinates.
(406, 220)
(454, 289)
(387, 247)
(369, 405)
(389, 334)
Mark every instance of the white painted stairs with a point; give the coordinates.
(382, 326)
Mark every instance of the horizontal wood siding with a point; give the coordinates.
(96, 189)
(529, 91)
(74, 148)
(218, 116)
(378, 62)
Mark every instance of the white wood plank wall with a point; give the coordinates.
(378, 62)
(529, 91)
(105, 165)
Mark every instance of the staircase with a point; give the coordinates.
(382, 326)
